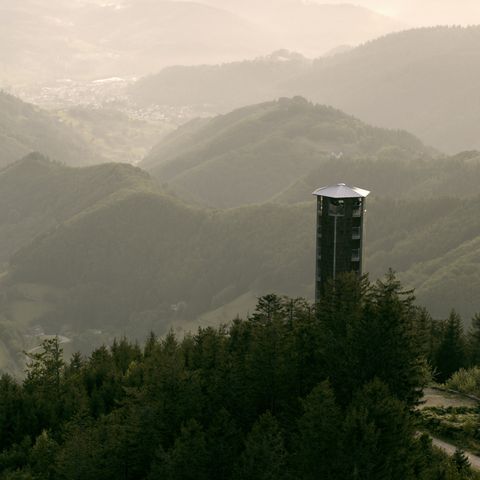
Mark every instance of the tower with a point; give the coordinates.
(340, 215)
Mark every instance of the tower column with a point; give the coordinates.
(339, 246)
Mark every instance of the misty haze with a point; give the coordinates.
(175, 303)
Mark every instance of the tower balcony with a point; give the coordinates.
(336, 209)
(356, 233)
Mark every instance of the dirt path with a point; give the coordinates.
(450, 450)
(439, 398)
(433, 397)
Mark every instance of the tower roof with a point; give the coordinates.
(341, 190)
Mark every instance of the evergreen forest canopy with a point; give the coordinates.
(292, 391)
(422, 80)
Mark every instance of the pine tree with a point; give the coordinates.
(461, 461)
(318, 446)
(42, 457)
(474, 341)
(223, 445)
(378, 435)
(264, 457)
(450, 355)
(386, 344)
(186, 460)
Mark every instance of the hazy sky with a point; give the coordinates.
(425, 12)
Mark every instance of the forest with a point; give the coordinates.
(157, 240)
(292, 391)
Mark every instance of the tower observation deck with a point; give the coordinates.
(340, 219)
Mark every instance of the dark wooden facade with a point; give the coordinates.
(340, 225)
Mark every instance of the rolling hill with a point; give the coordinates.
(252, 154)
(423, 80)
(222, 87)
(105, 253)
(394, 175)
(25, 128)
(37, 195)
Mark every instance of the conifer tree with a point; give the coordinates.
(461, 461)
(318, 446)
(186, 460)
(264, 457)
(450, 355)
(378, 435)
(42, 457)
(474, 341)
(223, 440)
(387, 346)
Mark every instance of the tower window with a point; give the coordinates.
(336, 208)
(357, 208)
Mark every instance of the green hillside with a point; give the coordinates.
(25, 128)
(393, 174)
(261, 150)
(142, 261)
(423, 80)
(37, 195)
(98, 252)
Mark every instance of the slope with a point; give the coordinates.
(393, 174)
(25, 128)
(131, 37)
(37, 195)
(124, 258)
(317, 29)
(423, 80)
(142, 261)
(223, 87)
(252, 154)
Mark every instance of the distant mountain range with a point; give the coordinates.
(253, 154)
(134, 37)
(422, 80)
(220, 88)
(25, 128)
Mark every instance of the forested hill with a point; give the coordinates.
(394, 175)
(25, 128)
(220, 87)
(260, 150)
(139, 260)
(423, 80)
(37, 195)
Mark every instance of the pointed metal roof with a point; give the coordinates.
(341, 190)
